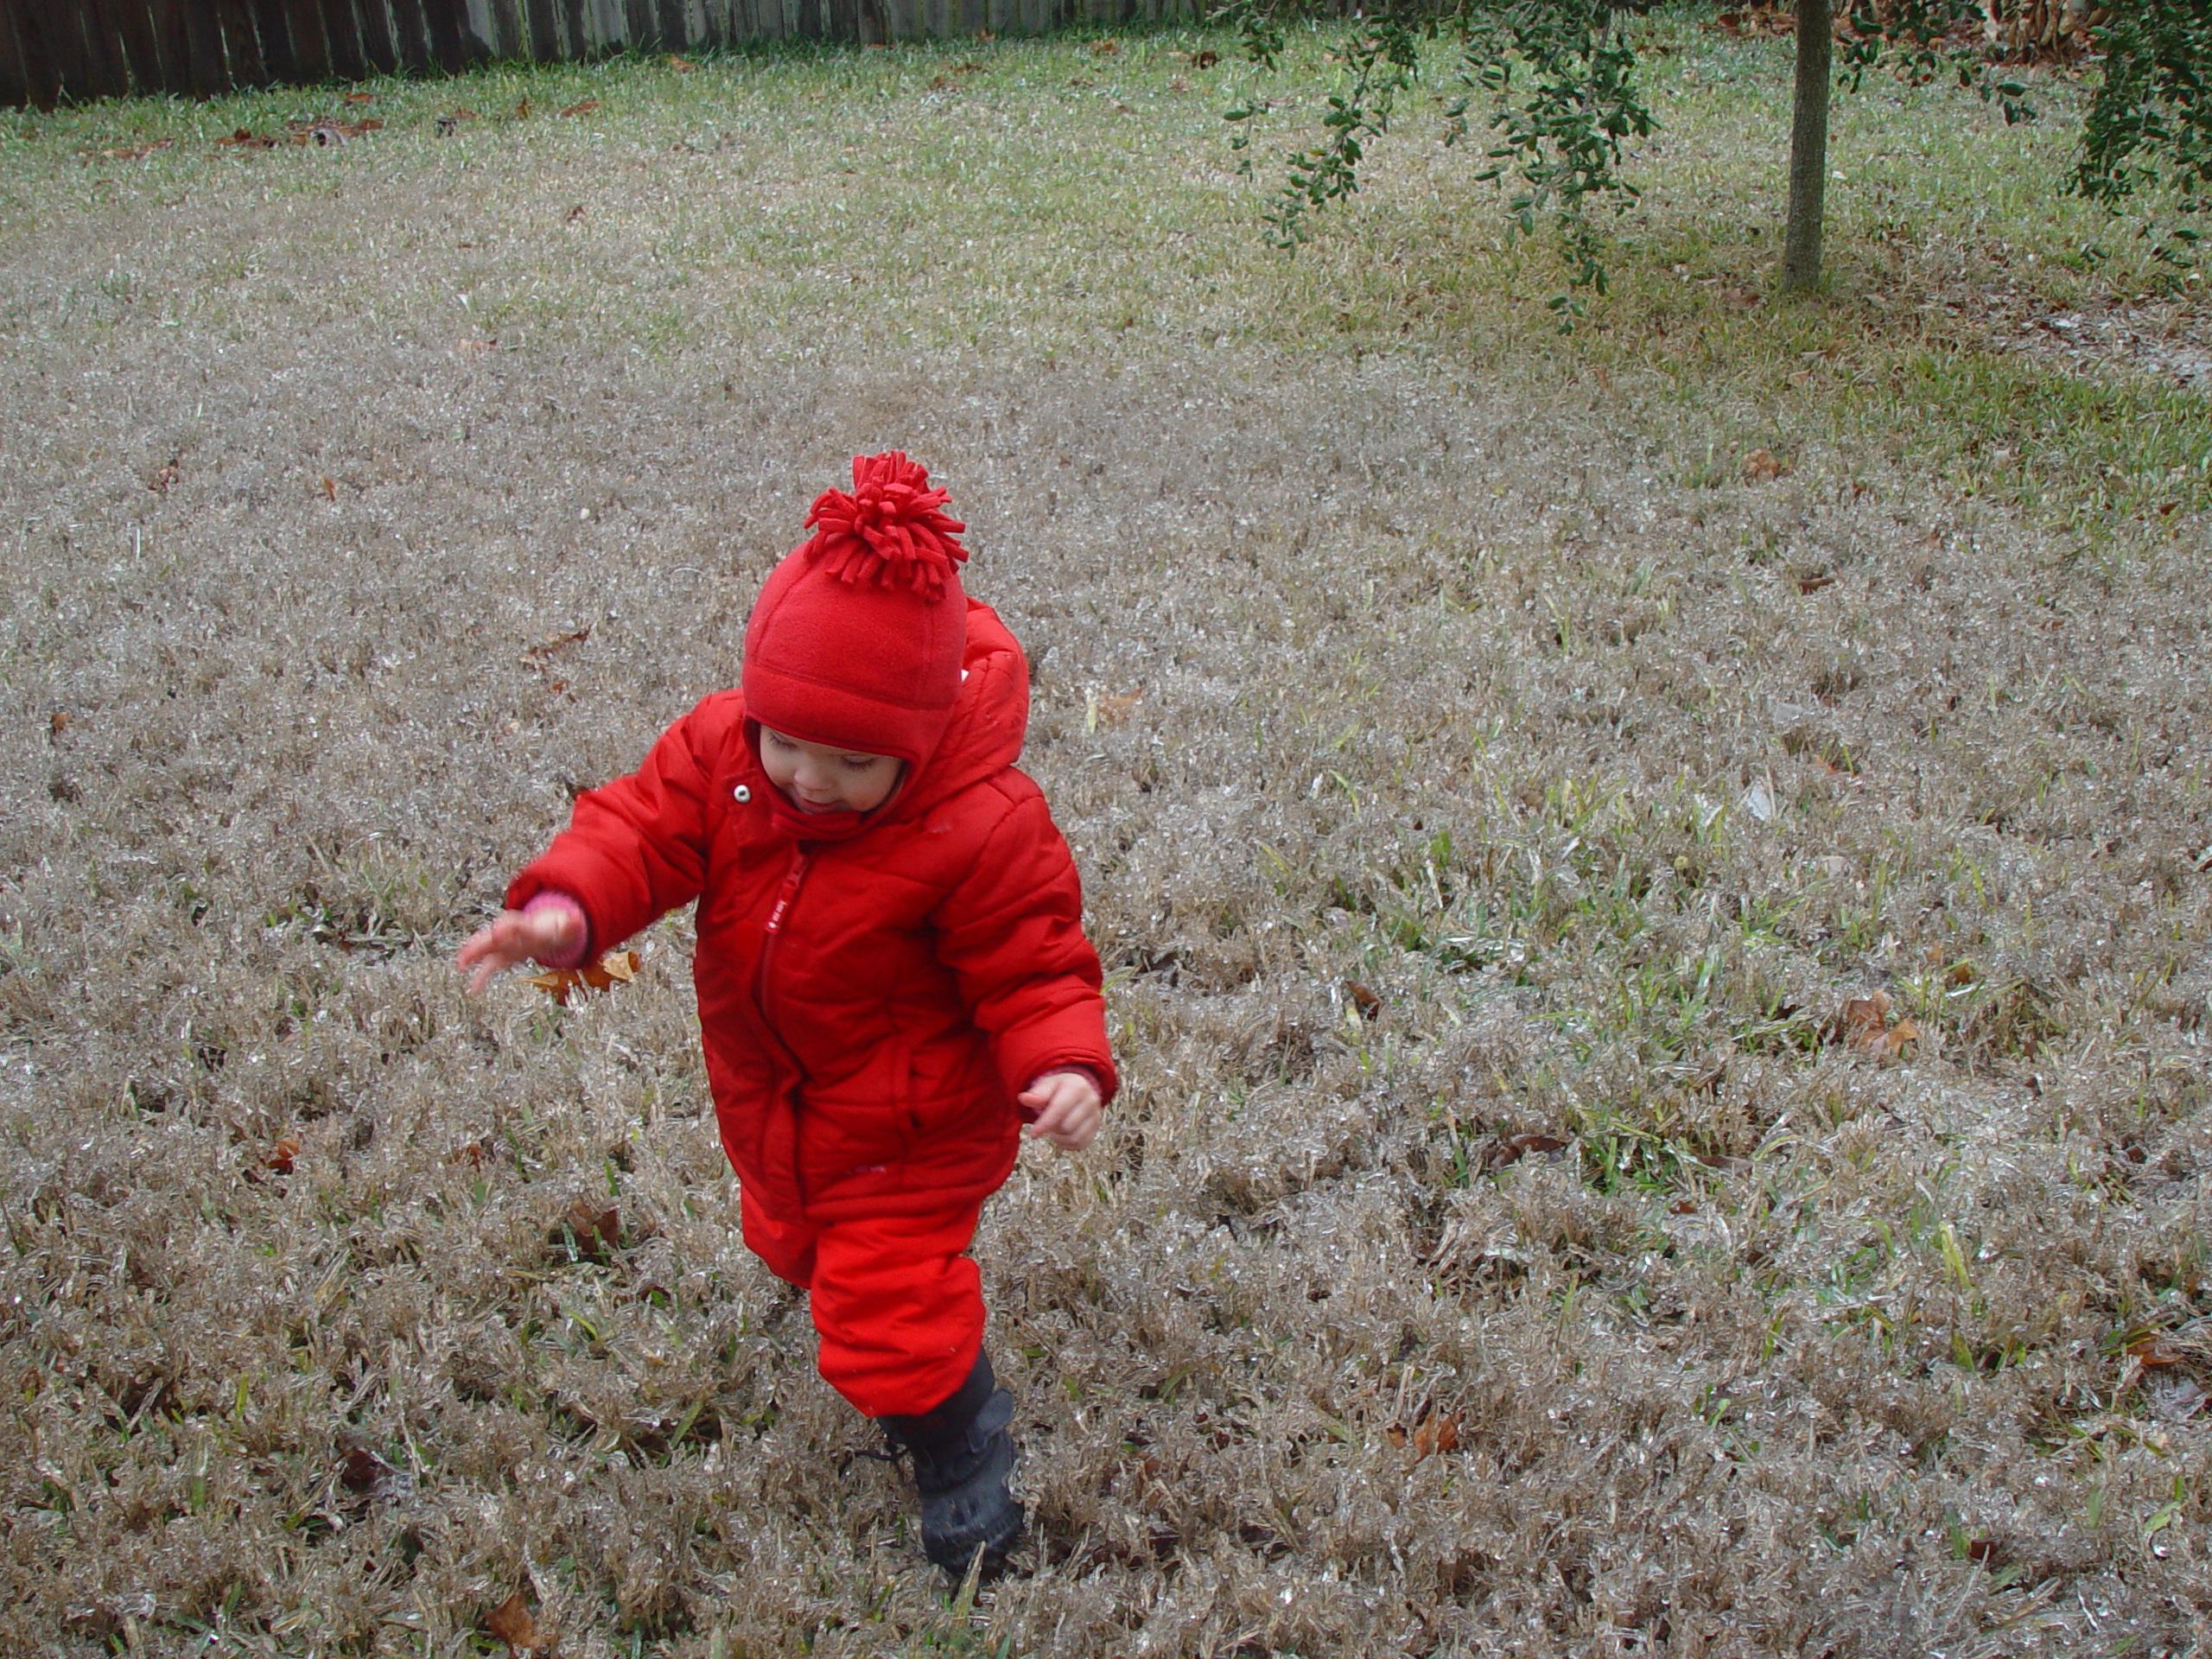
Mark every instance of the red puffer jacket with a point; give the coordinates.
(871, 1005)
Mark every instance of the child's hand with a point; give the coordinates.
(516, 936)
(1068, 1110)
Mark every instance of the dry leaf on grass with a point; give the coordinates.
(512, 1622)
(1435, 1433)
(364, 1471)
(2148, 1352)
(134, 152)
(1764, 466)
(1864, 1027)
(553, 642)
(1756, 22)
(596, 1231)
(615, 968)
(1519, 1147)
(1108, 711)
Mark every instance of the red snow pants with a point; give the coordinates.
(896, 1300)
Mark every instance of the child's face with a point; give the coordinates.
(820, 778)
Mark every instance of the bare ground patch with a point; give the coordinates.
(1505, 1242)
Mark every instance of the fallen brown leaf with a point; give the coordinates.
(1863, 1026)
(1436, 1434)
(1110, 711)
(615, 968)
(2157, 1349)
(553, 642)
(360, 1468)
(511, 1622)
(595, 1230)
(1519, 1147)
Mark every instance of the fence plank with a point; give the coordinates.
(241, 44)
(444, 32)
(342, 28)
(134, 32)
(478, 40)
(310, 47)
(504, 32)
(15, 79)
(376, 37)
(107, 73)
(203, 46)
(274, 39)
(544, 31)
(53, 41)
(410, 37)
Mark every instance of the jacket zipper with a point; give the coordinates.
(774, 929)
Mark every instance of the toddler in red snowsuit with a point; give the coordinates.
(892, 970)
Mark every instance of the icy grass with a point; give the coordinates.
(1458, 749)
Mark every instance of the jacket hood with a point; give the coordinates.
(989, 722)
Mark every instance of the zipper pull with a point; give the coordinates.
(788, 892)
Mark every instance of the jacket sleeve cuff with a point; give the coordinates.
(552, 899)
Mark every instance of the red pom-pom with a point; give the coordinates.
(890, 529)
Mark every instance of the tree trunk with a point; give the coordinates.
(1808, 148)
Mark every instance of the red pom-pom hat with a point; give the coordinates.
(855, 640)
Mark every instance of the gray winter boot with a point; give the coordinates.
(963, 1457)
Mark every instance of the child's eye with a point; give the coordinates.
(861, 762)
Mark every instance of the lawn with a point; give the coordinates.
(1655, 881)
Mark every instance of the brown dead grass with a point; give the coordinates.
(1496, 1249)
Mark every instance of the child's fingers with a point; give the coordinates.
(1068, 1114)
(492, 949)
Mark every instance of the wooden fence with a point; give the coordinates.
(57, 50)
